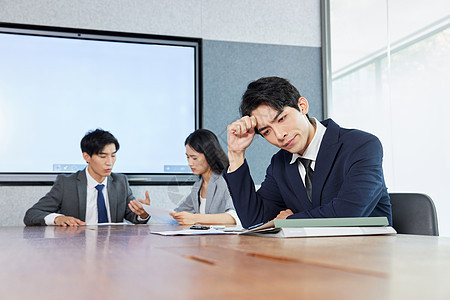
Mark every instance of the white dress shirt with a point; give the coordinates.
(91, 202)
(312, 150)
(202, 206)
(231, 212)
(91, 199)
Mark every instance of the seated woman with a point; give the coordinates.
(209, 201)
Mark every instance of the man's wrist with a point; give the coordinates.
(236, 159)
(140, 218)
(50, 219)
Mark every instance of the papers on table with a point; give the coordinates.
(301, 228)
(212, 230)
(160, 215)
(321, 231)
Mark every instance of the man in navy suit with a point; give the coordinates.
(321, 171)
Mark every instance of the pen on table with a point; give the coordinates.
(254, 226)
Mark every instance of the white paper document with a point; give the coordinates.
(287, 232)
(196, 232)
(160, 215)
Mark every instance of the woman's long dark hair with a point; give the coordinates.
(206, 142)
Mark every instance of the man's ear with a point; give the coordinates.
(303, 105)
(86, 157)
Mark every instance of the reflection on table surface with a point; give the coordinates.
(127, 261)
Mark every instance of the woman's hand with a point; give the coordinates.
(184, 218)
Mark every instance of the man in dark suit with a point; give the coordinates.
(321, 171)
(93, 195)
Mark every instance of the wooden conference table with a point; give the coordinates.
(126, 262)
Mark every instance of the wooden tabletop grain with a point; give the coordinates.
(128, 262)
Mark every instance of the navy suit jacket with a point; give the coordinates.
(348, 182)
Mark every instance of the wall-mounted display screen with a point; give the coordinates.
(56, 84)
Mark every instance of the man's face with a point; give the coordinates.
(289, 129)
(101, 164)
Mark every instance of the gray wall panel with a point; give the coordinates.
(168, 17)
(281, 22)
(227, 69)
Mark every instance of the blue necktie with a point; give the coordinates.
(101, 208)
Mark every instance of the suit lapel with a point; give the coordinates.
(82, 194)
(212, 186)
(325, 159)
(112, 197)
(195, 194)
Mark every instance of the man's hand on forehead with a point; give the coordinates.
(243, 126)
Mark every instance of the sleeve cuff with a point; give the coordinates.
(141, 219)
(233, 213)
(50, 219)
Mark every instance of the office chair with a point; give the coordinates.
(414, 213)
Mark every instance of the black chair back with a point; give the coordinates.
(414, 213)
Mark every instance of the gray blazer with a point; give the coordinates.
(218, 199)
(68, 197)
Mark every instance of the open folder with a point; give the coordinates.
(323, 227)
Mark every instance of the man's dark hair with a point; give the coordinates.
(273, 91)
(206, 142)
(94, 141)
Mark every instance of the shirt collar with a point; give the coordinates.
(313, 148)
(91, 182)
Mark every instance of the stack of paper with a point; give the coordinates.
(323, 227)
